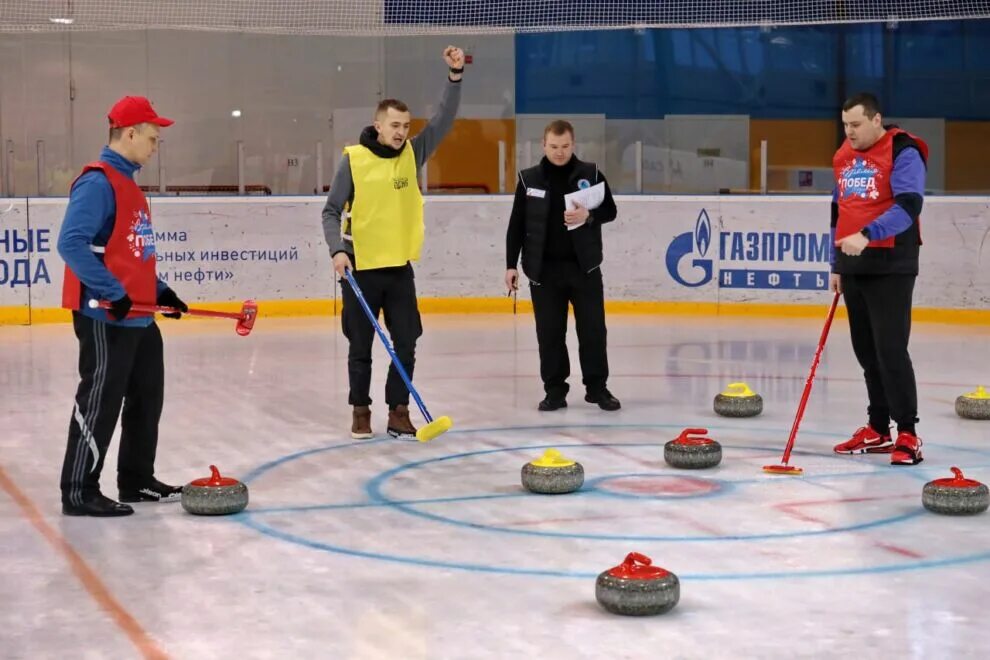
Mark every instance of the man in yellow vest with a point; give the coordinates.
(373, 222)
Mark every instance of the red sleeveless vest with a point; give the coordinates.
(130, 251)
(863, 182)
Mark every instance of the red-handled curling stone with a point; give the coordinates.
(214, 495)
(692, 451)
(957, 496)
(637, 588)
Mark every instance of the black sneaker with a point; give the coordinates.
(155, 491)
(604, 399)
(99, 506)
(552, 403)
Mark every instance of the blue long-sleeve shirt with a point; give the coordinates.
(89, 221)
(906, 177)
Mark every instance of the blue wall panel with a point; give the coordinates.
(937, 69)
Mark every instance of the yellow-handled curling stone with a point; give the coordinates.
(738, 400)
(974, 405)
(552, 474)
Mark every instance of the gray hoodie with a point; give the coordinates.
(423, 144)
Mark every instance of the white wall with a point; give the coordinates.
(464, 251)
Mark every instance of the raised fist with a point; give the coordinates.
(454, 57)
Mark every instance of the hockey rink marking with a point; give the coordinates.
(248, 517)
(374, 491)
(793, 509)
(90, 580)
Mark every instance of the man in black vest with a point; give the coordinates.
(562, 257)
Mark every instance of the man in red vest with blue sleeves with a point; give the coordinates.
(108, 245)
(876, 207)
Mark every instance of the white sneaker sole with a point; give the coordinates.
(870, 449)
(174, 497)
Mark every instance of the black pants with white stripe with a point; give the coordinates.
(118, 366)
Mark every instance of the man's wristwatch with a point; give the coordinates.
(865, 231)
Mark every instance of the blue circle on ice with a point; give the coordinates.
(374, 489)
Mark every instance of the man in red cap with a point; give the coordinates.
(108, 245)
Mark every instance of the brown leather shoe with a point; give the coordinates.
(399, 424)
(361, 423)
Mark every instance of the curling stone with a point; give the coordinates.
(957, 496)
(637, 588)
(738, 401)
(214, 495)
(691, 452)
(552, 474)
(975, 405)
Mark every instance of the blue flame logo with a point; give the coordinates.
(696, 242)
(703, 233)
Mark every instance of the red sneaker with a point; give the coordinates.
(907, 450)
(866, 441)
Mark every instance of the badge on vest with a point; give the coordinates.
(536, 192)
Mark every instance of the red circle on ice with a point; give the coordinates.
(666, 485)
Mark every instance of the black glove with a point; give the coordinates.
(167, 298)
(120, 307)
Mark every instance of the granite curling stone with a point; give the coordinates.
(637, 588)
(214, 495)
(691, 452)
(738, 401)
(552, 474)
(957, 496)
(975, 405)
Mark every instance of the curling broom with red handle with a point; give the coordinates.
(784, 467)
(245, 317)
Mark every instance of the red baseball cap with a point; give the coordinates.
(134, 110)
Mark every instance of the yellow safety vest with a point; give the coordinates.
(387, 212)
